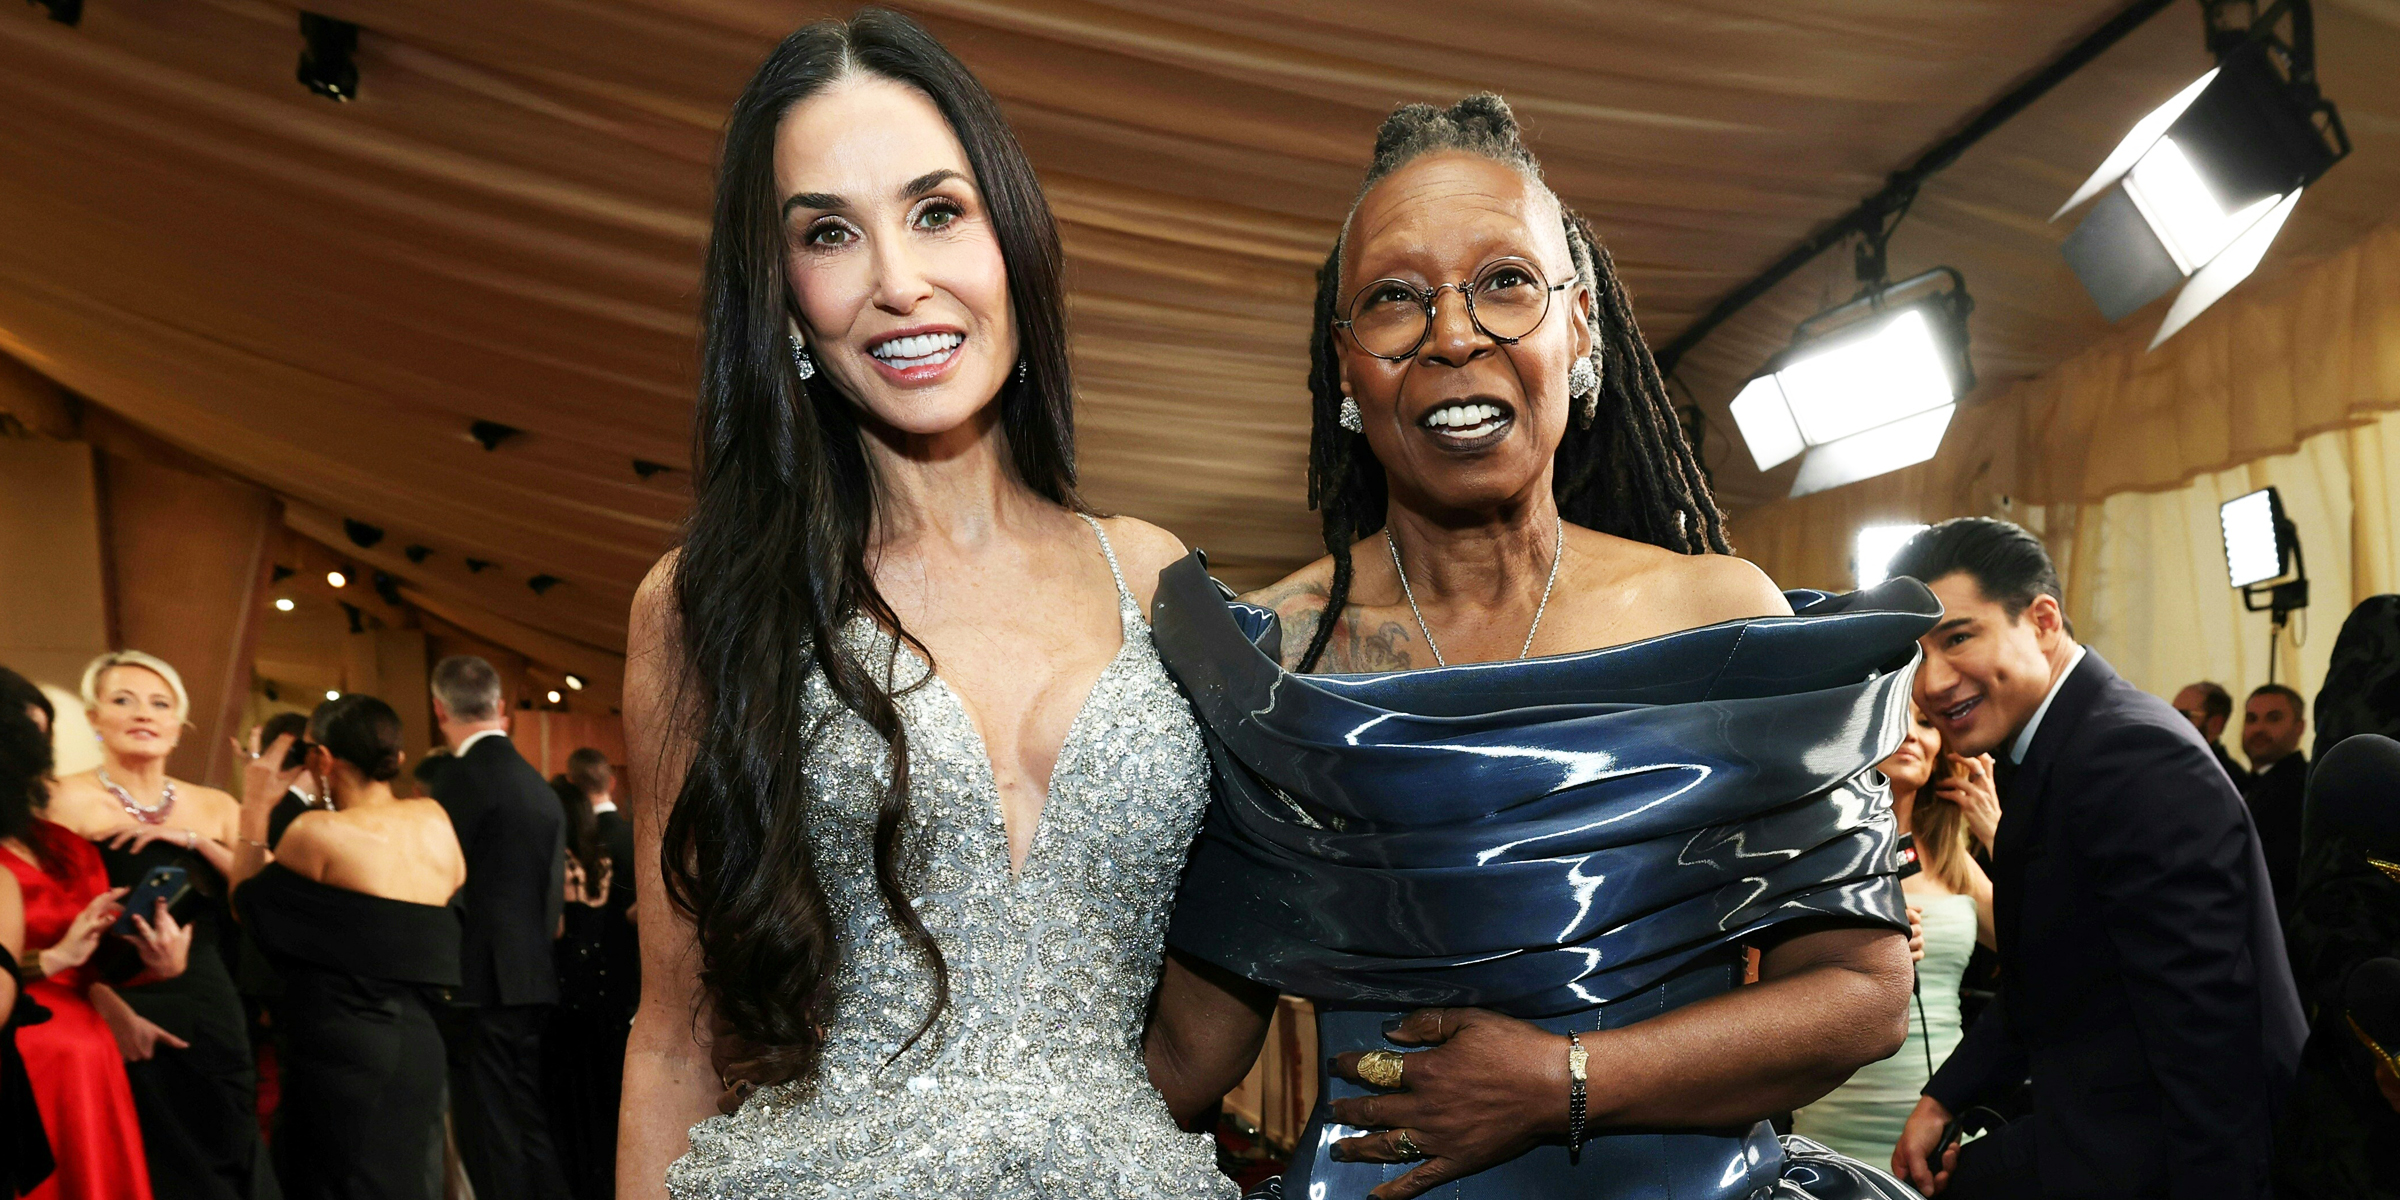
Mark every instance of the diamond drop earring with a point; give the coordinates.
(1351, 418)
(801, 363)
(1583, 381)
(1020, 370)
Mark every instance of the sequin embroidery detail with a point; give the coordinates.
(1032, 1083)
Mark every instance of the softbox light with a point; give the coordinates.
(2199, 188)
(1872, 395)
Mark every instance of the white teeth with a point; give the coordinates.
(918, 350)
(1464, 416)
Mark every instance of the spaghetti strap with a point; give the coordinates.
(1124, 594)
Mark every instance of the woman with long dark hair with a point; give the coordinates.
(930, 787)
(1529, 744)
(583, 1047)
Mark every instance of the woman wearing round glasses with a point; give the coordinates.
(1526, 778)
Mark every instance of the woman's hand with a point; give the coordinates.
(83, 934)
(164, 943)
(132, 836)
(1491, 1088)
(1916, 934)
(264, 781)
(1976, 796)
(1919, 1138)
(138, 1037)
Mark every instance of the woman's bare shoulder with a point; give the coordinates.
(1298, 600)
(655, 618)
(1699, 589)
(1143, 550)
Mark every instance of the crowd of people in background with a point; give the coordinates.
(2188, 947)
(442, 982)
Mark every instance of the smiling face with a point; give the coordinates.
(1912, 764)
(136, 716)
(1985, 672)
(896, 275)
(1466, 423)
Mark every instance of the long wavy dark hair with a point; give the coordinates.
(25, 765)
(1623, 468)
(773, 561)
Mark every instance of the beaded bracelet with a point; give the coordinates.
(1577, 1057)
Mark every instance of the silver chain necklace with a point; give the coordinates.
(133, 807)
(1558, 545)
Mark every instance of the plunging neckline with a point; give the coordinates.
(990, 777)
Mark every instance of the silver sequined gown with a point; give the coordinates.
(1032, 1084)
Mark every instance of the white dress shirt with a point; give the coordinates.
(475, 737)
(2024, 742)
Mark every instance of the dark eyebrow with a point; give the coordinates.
(927, 182)
(1952, 623)
(811, 200)
(912, 189)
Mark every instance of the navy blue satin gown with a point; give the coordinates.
(1583, 841)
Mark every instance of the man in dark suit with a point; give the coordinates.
(2144, 987)
(509, 824)
(2207, 705)
(2273, 721)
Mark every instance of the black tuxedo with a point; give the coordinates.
(514, 834)
(513, 831)
(2275, 796)
(2144, 986)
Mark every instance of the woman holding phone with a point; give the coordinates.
(78, 1077)
(186, 1043)
(354, 909)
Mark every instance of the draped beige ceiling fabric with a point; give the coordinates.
(507, 225)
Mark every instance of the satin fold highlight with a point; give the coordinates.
(1543, 836)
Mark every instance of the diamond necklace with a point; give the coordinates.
(1558, 545)
(133, 808)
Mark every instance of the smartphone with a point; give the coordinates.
(161, 883)
(296, 757)
(1950, 1132)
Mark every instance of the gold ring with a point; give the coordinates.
(1407, 1145)
(1382, 1068)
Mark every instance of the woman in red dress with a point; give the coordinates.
(77, 1071)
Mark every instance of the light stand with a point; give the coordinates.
(2281, 598)
(2263, 558)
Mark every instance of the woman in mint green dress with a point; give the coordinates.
(1951, 898)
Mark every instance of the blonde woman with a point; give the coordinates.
(1951, 899)
(185, 1041)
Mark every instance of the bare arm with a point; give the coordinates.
(1979, 885)
(1493, 1087)
(264, 782)
(1206, 1025)
(12, 937)
(669, 1084)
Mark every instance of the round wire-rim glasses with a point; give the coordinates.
(1506, 299)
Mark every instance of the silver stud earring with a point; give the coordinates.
(801, 363)
(1351, 418)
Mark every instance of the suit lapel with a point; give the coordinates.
(2024, 793)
